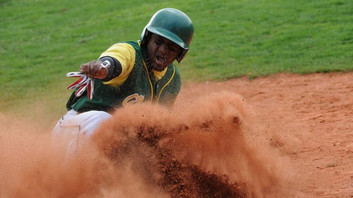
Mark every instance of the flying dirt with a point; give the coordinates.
(207, 146)
(281, 136)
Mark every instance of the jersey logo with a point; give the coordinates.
(132, 99)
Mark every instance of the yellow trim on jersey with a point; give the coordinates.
(125, 54)
(149, 79)
(159, 95)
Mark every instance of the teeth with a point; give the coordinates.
(161, 58)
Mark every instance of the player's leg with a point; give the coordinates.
(74, 129)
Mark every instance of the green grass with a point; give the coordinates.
(42, 40)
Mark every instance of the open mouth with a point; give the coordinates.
(161, 61)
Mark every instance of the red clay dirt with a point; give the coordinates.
(310, 119)
(280, 136)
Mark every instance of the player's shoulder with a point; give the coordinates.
(122, 46)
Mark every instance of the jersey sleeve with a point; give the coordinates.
(125, 54)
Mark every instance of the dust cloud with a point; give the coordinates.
(211, 146)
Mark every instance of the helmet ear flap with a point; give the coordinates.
(181, 55)
(145, 37)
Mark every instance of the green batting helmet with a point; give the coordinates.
(173, 25)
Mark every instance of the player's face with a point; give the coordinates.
(161, 52)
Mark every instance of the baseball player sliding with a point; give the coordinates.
(128, 72)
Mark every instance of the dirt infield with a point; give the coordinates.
(280, 136)
(310, 119)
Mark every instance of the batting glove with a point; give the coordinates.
(83, 83)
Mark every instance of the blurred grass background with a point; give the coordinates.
(42, 40)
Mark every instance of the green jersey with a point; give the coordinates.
(136, 83)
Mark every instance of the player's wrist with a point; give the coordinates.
(113, 70)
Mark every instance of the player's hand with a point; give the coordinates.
(82, 84)
(94, 69)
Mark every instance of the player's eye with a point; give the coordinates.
(158, 42)
(174, 49)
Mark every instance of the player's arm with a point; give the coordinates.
(106, 68)
(121, 57)
(113, 70)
